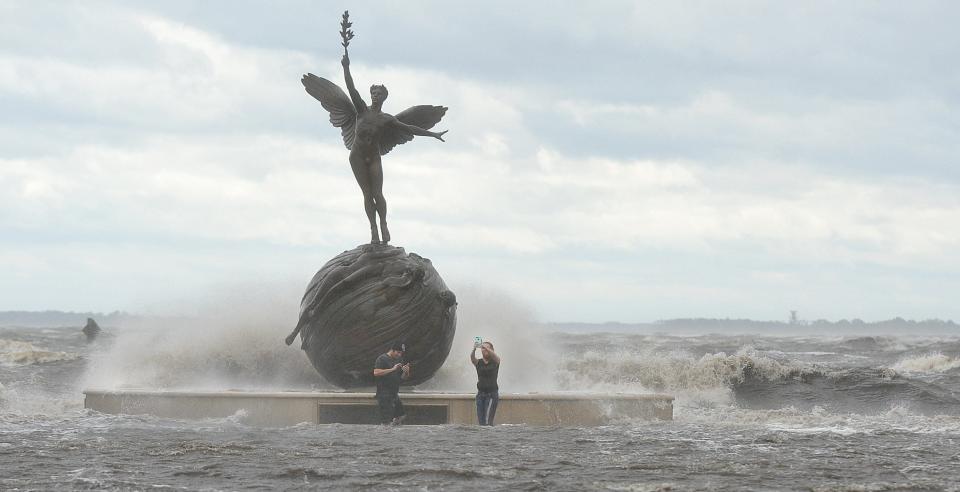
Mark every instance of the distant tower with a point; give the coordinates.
(793, 318)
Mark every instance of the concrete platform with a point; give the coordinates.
(290, 408)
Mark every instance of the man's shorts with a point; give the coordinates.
(390, 408)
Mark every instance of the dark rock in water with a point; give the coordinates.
(365, 299)
(91, 330)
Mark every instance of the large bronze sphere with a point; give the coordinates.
(364, 300)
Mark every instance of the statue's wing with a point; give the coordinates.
(423, 116)
(342, 113)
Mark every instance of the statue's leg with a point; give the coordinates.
(331, 280)
(362, 173)
(293, 336)
(376, 189)
(341, 277)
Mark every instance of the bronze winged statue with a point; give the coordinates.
(369, 133)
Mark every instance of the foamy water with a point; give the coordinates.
(17, 352)
(932, 362)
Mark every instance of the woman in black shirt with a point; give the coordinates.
(487, 390)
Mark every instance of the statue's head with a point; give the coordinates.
(378, 94)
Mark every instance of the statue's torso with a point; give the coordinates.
(370, 125)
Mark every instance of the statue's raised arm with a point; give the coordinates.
(369, 132)
(358, 101)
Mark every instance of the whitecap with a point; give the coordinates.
(930, 362)
(22, 353)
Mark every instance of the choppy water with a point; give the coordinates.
(753, 412)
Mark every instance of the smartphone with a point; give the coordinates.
(477, 340)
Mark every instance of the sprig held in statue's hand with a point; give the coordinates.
(345, 32)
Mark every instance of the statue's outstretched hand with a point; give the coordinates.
(439, 136)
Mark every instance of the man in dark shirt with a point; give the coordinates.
(389, 370)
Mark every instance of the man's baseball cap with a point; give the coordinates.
(399, 347)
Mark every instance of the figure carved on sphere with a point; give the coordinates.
(369, 133)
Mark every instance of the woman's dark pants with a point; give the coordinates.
(487, 406)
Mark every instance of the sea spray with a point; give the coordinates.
(233, 339)
(529, 356)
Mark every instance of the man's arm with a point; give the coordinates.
(382, 370)
(473, 354)
(352, 89)
(416, 130)
(493, 356)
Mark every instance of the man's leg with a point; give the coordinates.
(386, 409)
(398, 411)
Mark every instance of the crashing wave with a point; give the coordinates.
(752, 379)
(932, 362)
(22, 353)
(671, 371)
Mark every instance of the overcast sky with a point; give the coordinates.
(626, 161)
